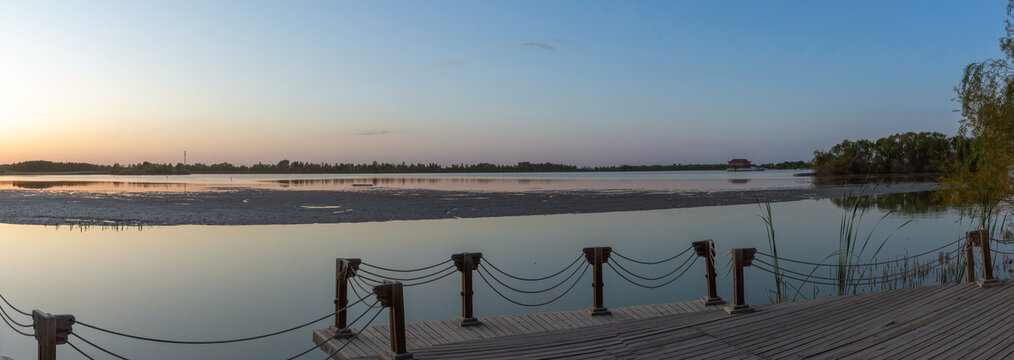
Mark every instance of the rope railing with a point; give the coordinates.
(443, 273)
(387, 277)
(406, 270)
(642, 262)
(519, 278)
(1002, 252)
(79, 351)
(654, 286)
(10, 321)
(212, 342)
(501, 282)
(618, 264)
(873, 280)
(336, 334)
(862, 264)
(118, 356)
(520, 290)
(516, 302)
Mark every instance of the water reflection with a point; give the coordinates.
(210, 282)
(872, 179)
(924, 202)
(103, 186)
(511, 182)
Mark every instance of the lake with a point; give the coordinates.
(214, 282)
(633, 180)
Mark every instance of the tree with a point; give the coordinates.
(986, 94)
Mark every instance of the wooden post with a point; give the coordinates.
(345, 269)
(981, 236)
(391, 296)
(740, 258)
(597, 256)
(969, 258)
(466, 263)
(50, 331)
(706, 249)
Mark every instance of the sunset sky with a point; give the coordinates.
(587, 83)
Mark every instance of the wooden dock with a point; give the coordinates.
(374, 342)
(952, 321)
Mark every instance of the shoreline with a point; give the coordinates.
(275, 207)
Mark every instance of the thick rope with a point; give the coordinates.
(483, 277)
(861, 281)
(79, 351)
(186, 342)
(860, 265)
(8, 316)
(530, 291)
(406, 270)
(853, 282)
(694, 258)
(653, 286)
(13, 307)
(349, 340)
(651, 262)
(14, 328)
(534, 279)
(99, 347)
(406, 279)
(336, 333)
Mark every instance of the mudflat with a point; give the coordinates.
(246, 206)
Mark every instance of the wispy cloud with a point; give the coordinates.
(376, 132)
(451, 62)
(538, 45)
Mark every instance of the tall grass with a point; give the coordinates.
(852, 246)
(768, 219)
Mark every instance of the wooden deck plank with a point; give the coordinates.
(930, 322)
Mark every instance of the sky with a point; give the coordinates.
(588, 83)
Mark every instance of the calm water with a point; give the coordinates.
(648, 180)
(207, 282)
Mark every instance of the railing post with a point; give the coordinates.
(740, 259)
(970, 257)
(466, 263)
(706, 249)
(345, 269)
(597, 256)
(982, 237)
(50, 330)
(390, 296)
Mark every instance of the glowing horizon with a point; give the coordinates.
(584, 83)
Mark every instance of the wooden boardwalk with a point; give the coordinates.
(374, 342)
(951, 322)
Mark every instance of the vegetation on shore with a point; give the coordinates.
(907, 153)
(299, 167)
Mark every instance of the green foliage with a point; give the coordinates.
(907, 153)
(787, 165)
(983, 186)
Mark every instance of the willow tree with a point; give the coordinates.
(983, 182)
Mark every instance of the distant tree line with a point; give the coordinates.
(787, 165)
(907, 153)
(300, 167)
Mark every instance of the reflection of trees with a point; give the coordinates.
(871, 179)
(46, 184)
(89, 185)
(905, 203)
